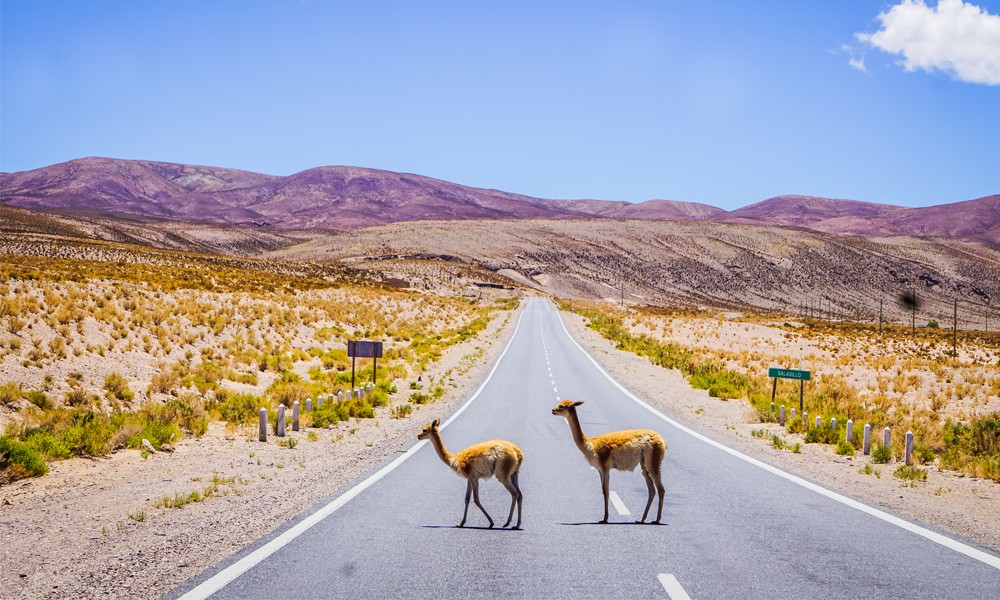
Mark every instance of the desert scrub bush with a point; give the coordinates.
(881, 454)
(910, 473)
(845, 448)
(822, 435)
(762, 408)
(386, 386)
(247, 378)
(379, 398)
(78, 397)
(239, 408)
(10, 393)
(18, 461)
(868, 470)
(165, 381)
(39, 399)
(398, 412)
(974, 448)
(418, 398)
(922, 454)
(162, 421)
(117, 387)
(288, 442)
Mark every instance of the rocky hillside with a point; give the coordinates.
(346, 198)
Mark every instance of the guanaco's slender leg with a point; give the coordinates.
(606, 488)
(652, 493)
(475, 496)
(515, 497)
(468, 494)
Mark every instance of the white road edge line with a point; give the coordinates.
(945, 541)
(619, 505)
(673, 587)
(227, 575)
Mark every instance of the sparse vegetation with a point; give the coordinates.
(881, 454)
(868, 470)
(902, 382)
(206, 327)
(910, 473)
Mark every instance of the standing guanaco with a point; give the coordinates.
(482, 461)
(621, 450)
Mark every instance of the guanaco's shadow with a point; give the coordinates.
(469, 527)
(612, 523)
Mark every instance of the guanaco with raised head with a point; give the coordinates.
(621, 450)
(482, 461)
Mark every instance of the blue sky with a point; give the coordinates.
(725, 103)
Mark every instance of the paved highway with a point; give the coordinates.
(734, 527)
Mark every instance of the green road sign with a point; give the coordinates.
(789, 374)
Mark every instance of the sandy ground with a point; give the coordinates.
(964, 505)
(69, 534)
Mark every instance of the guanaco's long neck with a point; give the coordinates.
(439, 447)
(574, 427)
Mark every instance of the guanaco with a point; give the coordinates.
(621, 450)
(482, 461)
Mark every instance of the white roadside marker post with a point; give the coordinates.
(867, 448)
(319, 402)
(281, 421)
(850, 432)
(887, 438)
(295, 416)
(262, 434)
(805, 420)
(792, 418)
(833, 423)
(772, 408)
(340, 396)
(781, 417)
(309, 404)
(819, 421)
(908, 459)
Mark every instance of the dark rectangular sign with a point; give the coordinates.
(789, 374)
(362, 349)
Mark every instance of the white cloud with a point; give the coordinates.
(858, 63)
(954, 36)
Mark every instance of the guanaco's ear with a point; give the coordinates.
(577, 403)
(436, 423)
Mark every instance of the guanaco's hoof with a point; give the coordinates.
(515, 527)
(602, 522)
(460, 525)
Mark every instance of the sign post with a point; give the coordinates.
(364, 349)
(802, 376)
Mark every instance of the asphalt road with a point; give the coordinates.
(733, 528)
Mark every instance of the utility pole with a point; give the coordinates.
(954, 332)
(880, 319)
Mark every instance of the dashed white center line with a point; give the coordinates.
(619, 505)
(554, 389)
(673, 587)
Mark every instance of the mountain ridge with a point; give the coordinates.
(344, 198)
